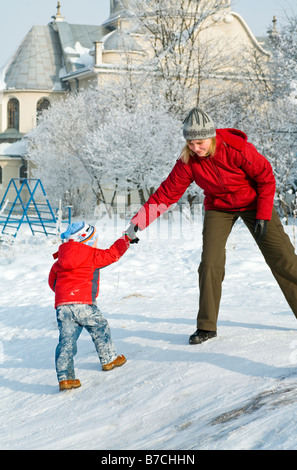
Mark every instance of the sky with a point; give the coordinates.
(18, 16)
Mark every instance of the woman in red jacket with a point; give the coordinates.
(238, 182)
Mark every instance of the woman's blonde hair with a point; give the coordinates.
(187, 153)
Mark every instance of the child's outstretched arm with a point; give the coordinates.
(111, 255)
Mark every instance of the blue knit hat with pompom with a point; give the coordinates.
(80, 232)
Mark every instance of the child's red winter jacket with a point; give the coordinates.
(74, 277)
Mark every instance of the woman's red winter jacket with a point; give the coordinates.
(74, 277)
(236, 178)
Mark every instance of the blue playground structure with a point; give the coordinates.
(30, 205)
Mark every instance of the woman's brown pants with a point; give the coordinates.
(276, 248)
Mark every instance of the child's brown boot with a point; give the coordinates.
(68, 384)
(119, 361)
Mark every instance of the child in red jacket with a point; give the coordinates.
(74, 278)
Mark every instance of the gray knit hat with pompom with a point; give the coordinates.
(198, 125)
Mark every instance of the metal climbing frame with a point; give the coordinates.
(30, 206)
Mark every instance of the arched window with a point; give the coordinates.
(42, 104)
(13, 114)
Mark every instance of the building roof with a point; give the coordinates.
(120, 40)
(16, 149)
(49, 52)
(76, 41)
(36, 63)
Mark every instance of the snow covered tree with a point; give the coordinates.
(282, 110)
(55, 147)
(134, 149)
(284, 65)
(122, 137)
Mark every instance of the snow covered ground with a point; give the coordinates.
(237, 391)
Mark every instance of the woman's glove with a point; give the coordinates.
(260, 229)
(131, 233)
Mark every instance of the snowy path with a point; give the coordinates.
(237, 391)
